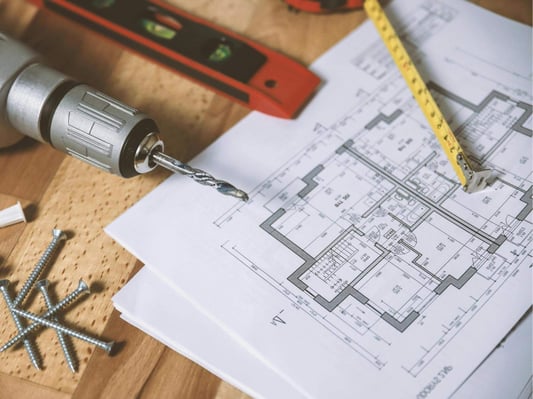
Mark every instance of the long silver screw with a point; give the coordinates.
(58, 236)
(72, 362)
(83, 288)
(28, 343)
(106, 346)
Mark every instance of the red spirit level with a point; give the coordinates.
(230, 64)
(321, 6)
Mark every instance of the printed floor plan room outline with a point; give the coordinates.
(359, 218)
(355, 260)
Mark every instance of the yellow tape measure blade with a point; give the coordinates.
(470, 179)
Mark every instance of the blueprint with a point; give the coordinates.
(359, 267)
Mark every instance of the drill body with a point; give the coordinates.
(48, 106)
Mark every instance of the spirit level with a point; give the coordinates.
(470, 179)
(321, 6)
(228, 63)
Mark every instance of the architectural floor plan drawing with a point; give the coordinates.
(395, 233)
(359, 259)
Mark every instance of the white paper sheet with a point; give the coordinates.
(507, 372)
(152, 306)
(359, 268)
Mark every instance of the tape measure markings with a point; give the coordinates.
(470, 179)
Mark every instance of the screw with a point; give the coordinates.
(28, 343)
(58, 236)
(42, 286)
(106, 346)
(83, 288)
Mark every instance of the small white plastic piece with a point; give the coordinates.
(13, 214)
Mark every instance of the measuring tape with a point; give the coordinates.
(470, 179)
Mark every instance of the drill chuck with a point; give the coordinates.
(77, 119)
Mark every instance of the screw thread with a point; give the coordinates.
(43, 261)
(106, 346)
(65, 345)
(82, 289)
(29, 345)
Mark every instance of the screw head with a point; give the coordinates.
(108, 347)
(83, 287)
(59, 234)
(4, 283)
(42, 284)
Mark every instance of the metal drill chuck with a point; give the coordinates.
(50, 107)
(78, 120)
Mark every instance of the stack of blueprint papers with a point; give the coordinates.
(359, 268)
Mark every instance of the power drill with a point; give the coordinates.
(50, 107)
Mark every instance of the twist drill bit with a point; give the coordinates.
(197, 175)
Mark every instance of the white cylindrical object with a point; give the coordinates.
(13, 214)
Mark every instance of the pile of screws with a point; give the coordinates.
(48, 318)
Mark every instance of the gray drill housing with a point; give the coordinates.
(50, 107)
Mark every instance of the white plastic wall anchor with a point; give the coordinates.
(13, 214)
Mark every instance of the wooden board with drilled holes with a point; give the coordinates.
(62, 192)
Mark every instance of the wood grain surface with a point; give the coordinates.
(58, 191)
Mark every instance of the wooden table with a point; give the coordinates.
(60, 191)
